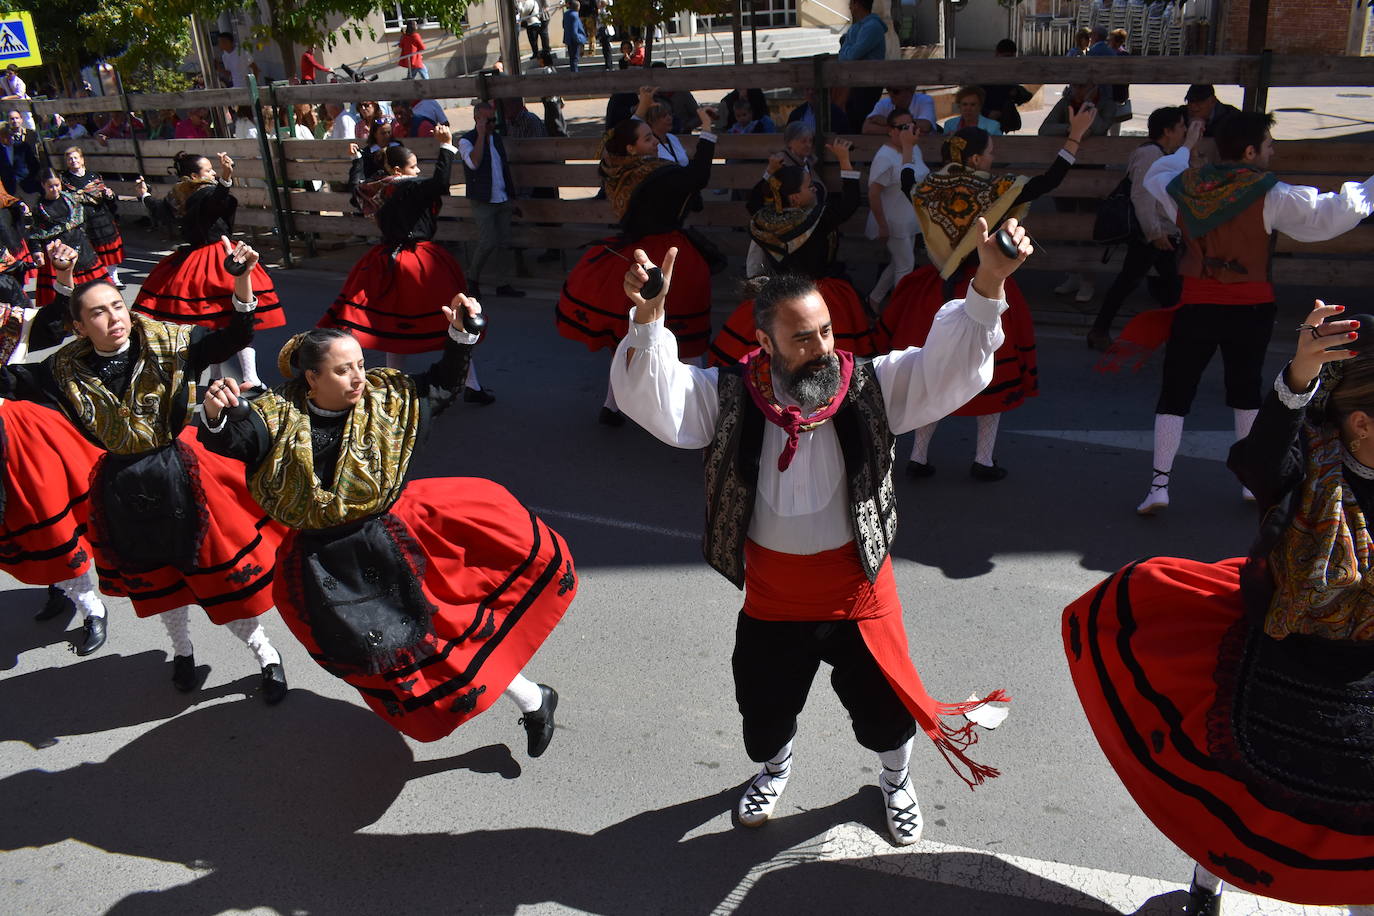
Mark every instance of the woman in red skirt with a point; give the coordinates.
(798, 231)
(59, 217)
(949, 203)
(651, 197)
(393, 299)
(1236, 699)
(44, 487)
(17, 264)
(429, 597)
(102, 211)
(191, 285)
(171, 524)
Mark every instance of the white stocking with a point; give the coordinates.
(248, 368)
(81, 590)
(1205, 879)
(1168, 435)
(255, 638)
(1244, 420)
(525, 694)
(178, 624)
(987, 438)
(895, 764)
(471, 381)
(780, 764)
(114, 274)
(396, 361)
(920, 447)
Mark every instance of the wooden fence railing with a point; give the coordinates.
(576, 218)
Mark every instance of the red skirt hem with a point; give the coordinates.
(395, 305)
(500, 581)
(111, 253)
(191, 286)
(1144, 649)
(237, 557)
(1015, 377)
(850, 324)
(45, 293)
(594, 310)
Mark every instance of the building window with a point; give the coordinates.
(394, 19)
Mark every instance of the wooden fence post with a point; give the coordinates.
(133, 134)
(270, 173)
(1257, 96)
(820, 108)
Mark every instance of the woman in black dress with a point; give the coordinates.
(59, 217)
(102, 210)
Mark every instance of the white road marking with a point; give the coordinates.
(618, 523)
(1208, 444)
(1076, 888)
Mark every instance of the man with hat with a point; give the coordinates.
(1203, 105)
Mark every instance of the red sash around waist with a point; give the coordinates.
(831, 585)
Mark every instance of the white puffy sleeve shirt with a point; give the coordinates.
(804, 510)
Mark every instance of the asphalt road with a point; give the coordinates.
(121, 795)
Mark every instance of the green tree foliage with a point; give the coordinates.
(144, 43)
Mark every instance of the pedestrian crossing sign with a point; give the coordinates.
(18, 41)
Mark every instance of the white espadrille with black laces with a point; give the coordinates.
(904, 821)
(761, 797)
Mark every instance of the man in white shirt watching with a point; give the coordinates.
(490, 188)
(801, 511)
(921, 106)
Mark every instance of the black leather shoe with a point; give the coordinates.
(539, 724)
(481, 396)
(184, 676)
(987, 473)
(95, 636)
(1202, 902)
(916, 469)
(510, 292)
(57, 604)
(609, 417)
(273, 684)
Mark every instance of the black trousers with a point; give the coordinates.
(774, 664)
(1141, 257)
(1242, 334)
(538, 34)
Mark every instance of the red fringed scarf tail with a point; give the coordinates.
(758, 380)
(1142, 336)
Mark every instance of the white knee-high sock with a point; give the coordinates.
(895, 764)
(248, 368)
(780, 764)
(255, 638)
(987, 437)
(1168, 435)
(178, 624)
(471, 381)
(81, 590)
(1244, 420)
(920, 447)
(396, 361)
(610, 398)
(1206, 880)
(114, 274)
(525, 694)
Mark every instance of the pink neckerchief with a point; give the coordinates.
(758, 380)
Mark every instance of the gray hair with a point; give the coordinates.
(797, 130)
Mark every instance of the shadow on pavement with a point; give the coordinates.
(269, 809)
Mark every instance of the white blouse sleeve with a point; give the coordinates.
(1306, 215)
(676, 402)
(924, 384)
(1165, 169)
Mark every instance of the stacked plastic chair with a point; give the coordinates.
(1135, 28)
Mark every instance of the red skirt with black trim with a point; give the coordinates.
(500, 580)
(47, 484)
(44, 292)
(110, 252)
(850, 324)
(235, 562)
(191, 286)
(593, 308)
(1259, 768)
(396, 304)
(1015, 377)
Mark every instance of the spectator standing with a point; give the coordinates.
(574, 35)
(1203, 105)
(342, 125)
(1155, 239)
(14, 87)
(235, 62)
(921, 106)
(605, 30)
(865, 39)
(489, 188)
(970, 101)
(18, 164)
(534, 19)
(1000, 102)
(311, 67)
(412, 45)
(891, 218)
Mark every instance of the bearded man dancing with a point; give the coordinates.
(801, 512)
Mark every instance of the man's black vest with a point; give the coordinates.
(732, 471)
(479, 181)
